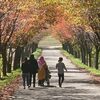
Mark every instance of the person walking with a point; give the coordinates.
(43, 72)
(33, 69)
(60, 66)
(25, 72)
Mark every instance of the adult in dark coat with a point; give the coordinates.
(33, 68)
(25, 72)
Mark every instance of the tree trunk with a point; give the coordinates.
(4, 58)
(23, 54)
(75, 54)
(9, 64)
(70, 49)
(26, 52)
(34, 46)
(17, 58)
(63, 45)
(86, 59)
(97, 57)
(0, 38)
(83, 55)
(90, 59)
(78, 54)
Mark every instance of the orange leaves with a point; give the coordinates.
(51, 12)
(63, 29)
(34, 16)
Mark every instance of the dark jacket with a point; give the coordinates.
(33, 66)
(25, 67)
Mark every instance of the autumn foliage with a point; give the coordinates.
(24, 23)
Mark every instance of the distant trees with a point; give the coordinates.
(77, 25)
(86, 28)
(93, 19)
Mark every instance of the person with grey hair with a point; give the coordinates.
(60, 66)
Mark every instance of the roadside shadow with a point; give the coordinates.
(50, 86)
(42, 87)
(69, 87)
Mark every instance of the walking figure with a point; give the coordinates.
(33, 69)
(60, 66)
(25, 72)
(43, 72)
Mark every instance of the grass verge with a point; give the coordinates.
(9, 78)
(79, 64)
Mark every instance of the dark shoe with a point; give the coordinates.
(48, 84)
(60, 85)
(42, 85)
(29, 86)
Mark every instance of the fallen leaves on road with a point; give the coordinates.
(9, 89)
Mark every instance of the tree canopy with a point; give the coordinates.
(24, 23)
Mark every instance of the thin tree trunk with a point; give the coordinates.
(90, 59)
(9, 64)
(78, 54)
(97, 57)
(75, 53)
(17, 58)
(83, 55)
(4, 58)
(87, 59)
(34, 46)
(70, 49)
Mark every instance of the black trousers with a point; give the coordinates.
(61, 79)
(25, 77)
(32, 76)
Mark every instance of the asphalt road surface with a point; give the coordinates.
(77, 85)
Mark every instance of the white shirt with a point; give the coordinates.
(61, 66)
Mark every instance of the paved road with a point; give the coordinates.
(77, 85)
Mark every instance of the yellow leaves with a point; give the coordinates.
(50, 1)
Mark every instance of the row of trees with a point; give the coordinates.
(20, 32)
(22, 25)
(80, 32)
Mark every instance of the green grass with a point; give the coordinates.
(78, 63)
(9, 78)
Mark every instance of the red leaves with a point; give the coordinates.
(63, 29)
(9, 89)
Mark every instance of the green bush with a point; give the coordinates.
(37, 53)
